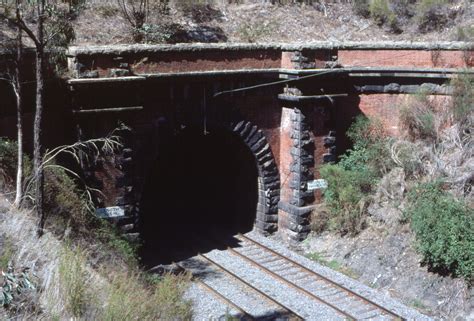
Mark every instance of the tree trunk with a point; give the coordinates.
(19, 121)
(37, 126)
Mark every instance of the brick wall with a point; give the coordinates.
(180, 100)
(406, 58)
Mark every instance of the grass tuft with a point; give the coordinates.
(73, 281)
(7, 253)
(332, 264)
(130, 299)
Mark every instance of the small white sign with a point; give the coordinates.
(317, 184)
(107, 212)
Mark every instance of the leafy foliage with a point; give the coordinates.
(64, 200)
(8, 157)
(13, 286)
(352, 179)
(443, 228)
(432, 15)
(7, 251)
(251, 31)
(370, 151)
(463, 98)
(465, 33)
(8, 161)
(427, 15)
(58, 25)
(116, 243)
(345, 197)
(361, 7)
(382, 14)
(199, 11)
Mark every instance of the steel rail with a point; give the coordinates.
(291, 284)
(302, 267)
(216, 293)
(250, 286)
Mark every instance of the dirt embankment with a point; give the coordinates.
(257, 21)
(386, 259)
(384, 255)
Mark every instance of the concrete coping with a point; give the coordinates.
(197, 47)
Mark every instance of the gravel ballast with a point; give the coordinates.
(208, 306)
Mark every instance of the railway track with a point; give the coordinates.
(343, 300)
(283, 272)
(246, 315)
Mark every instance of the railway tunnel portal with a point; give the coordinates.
(207, 183)
(224, 138)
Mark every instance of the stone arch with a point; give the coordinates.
(268, 177)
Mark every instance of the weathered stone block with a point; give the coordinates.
(265, 226)
(329, 158)
(329, 141)
(118, 72)
(267, 218)
(248, 137)
(258, 145)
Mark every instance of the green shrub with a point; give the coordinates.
(381, 13)
(443, 227)
(319, 218)
(14, 285)
(465, 34)
(199, 11)
(130, 298)
(463, 97)
(73, 281)
(353, 178)
(6, 254)
(8, 163)
(345, 197)
(432, 15)
(63, 200)
(8, 158)
(361, 7)
(371, 147)
(116, 244)
(403, 8)
(254, 31)
(161, 33)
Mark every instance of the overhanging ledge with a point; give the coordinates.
(327, 45)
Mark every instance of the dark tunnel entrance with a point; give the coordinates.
(202, 187)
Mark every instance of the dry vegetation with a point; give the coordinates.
(181, 21)
(104, 21)
(409, 196)
(434, 155)
(70, 284)
(81, 268)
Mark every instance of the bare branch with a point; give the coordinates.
(18, 21)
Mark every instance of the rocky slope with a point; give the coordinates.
(257, 21)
